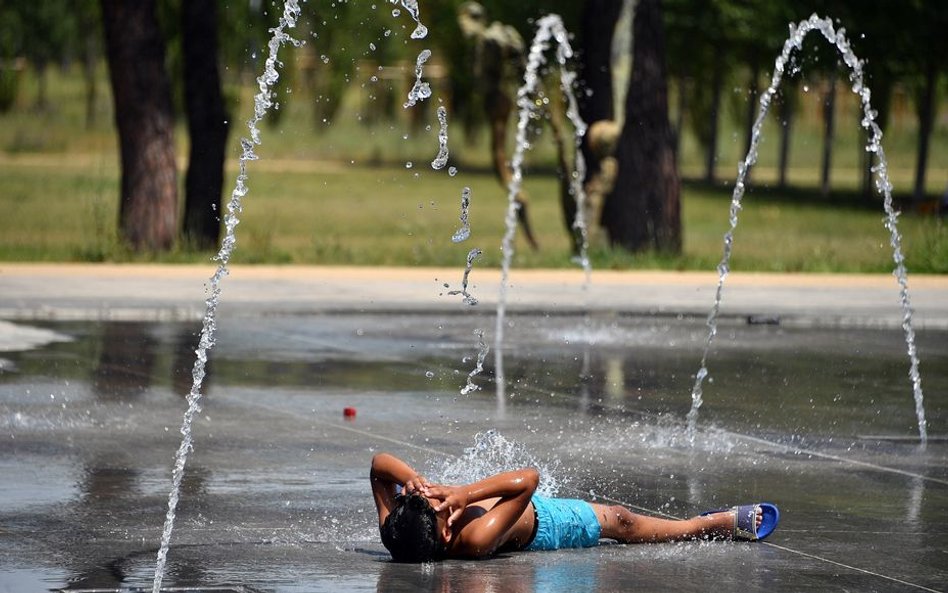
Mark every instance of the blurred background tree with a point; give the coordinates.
(716, 53)
(148, 212)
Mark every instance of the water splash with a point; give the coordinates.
(795, 41)
(472, 256)
(567, 82)
(263, 100)
(549, 29)
(465, 231)
(492, 453)
(411, 6)
(482, 350)
(442, 159)
(420, 90)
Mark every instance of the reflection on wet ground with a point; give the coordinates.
(275, 497)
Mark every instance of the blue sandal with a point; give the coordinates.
(745, 528)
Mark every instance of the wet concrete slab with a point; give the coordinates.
(817, 420)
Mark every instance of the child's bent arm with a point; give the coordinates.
(388, 468)
(503, 485)
(386, 474)
(483, 535)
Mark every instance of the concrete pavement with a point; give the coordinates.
(157, 292)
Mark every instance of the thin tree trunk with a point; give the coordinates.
(42, 95)
(207, 123)
(89, 58)
(786, 126)
(148, 213)
(829, 112)
(926, 116)
(751, 115)
(868, 161)
(717, 83)
(881, 102)
(643, 211)
(564, 175)
(682, 108)
(91, 50)
(596, 94)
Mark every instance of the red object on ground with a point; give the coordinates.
(349, 412)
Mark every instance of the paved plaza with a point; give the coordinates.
(809, 406)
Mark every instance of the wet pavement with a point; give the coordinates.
(815, 415)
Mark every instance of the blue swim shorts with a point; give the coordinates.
(564, 523)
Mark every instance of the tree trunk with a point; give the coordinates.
(142, 94)
(643, 211)
(207, 124)
(91, 51)
(595, 95)
(829, 116)
(90, 57)
(564, 175)
(717, 82)
(868, 161)
(881, 102)
(786, 126)
(926, 115)
(42, 94)
(753, 92)
(682, 108)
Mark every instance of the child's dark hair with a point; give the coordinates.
(410, 532)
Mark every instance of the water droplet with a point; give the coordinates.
(420, 32)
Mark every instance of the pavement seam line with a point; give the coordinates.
(883, 468)
(781, 447)
(776, 446)
(850, 567)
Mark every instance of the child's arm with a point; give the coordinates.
(483, 535)
(387, 473)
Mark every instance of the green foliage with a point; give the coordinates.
(895, 40)
(11, 32)
(41, 31)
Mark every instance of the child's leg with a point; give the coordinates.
(621, 524)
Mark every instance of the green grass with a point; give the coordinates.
(60, 211)
(342, 194)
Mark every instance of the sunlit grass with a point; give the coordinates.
(342, 192)
(398, 216)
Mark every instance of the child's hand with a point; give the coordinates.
(452, 498)
(417, 484)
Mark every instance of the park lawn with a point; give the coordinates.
(785, 233)
(343, 192)
(59, 208)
